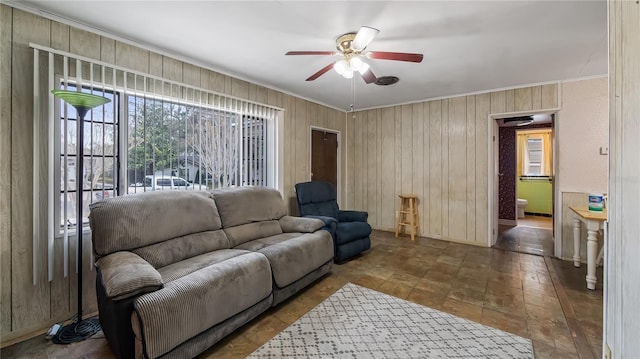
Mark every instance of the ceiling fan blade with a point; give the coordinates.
(320, 73)
(364, 36)
(397, 56)
(310, 53)
(368, 76)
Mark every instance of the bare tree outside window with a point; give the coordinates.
(215, 140)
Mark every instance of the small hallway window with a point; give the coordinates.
(534, 153)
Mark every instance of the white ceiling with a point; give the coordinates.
(468, 46)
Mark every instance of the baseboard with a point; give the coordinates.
(538, 214)
(21, 335)
(508, 222)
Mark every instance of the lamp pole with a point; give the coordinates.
(82, 102)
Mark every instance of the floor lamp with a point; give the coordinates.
(82, 102)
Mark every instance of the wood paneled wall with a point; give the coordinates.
(437, 150)
(24, 308)
(622, 287)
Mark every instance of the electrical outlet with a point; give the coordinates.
(607, 352)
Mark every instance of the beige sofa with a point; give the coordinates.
(179, 270)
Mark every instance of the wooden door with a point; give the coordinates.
(324, 156)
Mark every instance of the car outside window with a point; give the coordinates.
(177, 182)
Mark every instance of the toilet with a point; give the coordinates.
(522, 203)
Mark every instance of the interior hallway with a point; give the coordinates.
(535, 297)
(533, 235)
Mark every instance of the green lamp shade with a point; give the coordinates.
(80, 99)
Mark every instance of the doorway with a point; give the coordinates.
(525, 188)
(325, 159)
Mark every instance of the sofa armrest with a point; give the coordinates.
(125, 274)
(300, 224)
(352, 216)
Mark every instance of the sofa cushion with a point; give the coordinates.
(349, 231)
(243, 205)
(181, 248)
(250, 231)
(180, 269)
(194, 303)
(125, 274)
(294, 255)
(134, 221)
(260, 243)
(300, 224)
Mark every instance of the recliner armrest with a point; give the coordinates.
(125, 274)
(300, 224)
(352, 216)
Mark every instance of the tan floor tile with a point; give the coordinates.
(545, 351)
(263, 328)
(469, 282)
(477, 272)
(399, 290)
(508, 322)
(544, 314)
(428, 284)
(506, 303)
(405, 278)
(234, 346)
(368, 281)
(462, 309)
(425, 298)
(454, 261)
(541, 332)
(467, 295)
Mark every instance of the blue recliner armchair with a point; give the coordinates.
(350, 229)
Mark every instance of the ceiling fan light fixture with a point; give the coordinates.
(348, 74)
(341, 66)
(363, 68)
(356, 62)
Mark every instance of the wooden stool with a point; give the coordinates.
(408, 208)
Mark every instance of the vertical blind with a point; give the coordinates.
(152, 128)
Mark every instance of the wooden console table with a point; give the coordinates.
(594, 221)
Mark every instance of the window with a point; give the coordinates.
(196, 144)
(100, 155)
(174, 144)
(534, 152)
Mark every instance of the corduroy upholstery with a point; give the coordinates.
(350, 230)
(179, 270)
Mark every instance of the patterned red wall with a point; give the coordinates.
(507, 166)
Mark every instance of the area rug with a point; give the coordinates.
(356, 322)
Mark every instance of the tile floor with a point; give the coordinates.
(532, 235)
(533, 296)
(536, 221)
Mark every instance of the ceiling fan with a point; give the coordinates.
(351, 48)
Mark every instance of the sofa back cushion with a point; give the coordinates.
(134, 221)
(181, 248)
(248, 232)
(242, 205)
